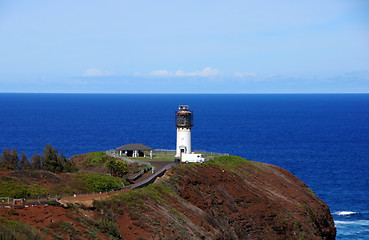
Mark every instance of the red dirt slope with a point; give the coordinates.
(207, 201)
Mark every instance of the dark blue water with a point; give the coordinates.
(322, 139)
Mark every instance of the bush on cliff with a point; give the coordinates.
(11, 229)
(89, 182)
(13, 188)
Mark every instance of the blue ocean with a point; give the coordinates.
(321, 138)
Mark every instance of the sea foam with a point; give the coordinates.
(345, 213)
(357, 222)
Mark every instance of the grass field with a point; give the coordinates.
(158, 156)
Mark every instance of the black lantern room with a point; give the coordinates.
(184, 117)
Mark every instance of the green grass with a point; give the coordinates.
(155, 159)
(211, 155)
(109, 226)
(37, 190)
(169, 158)
(94, 158)
(90, 182)
(12, 229)
(134, 199)
(65, 228)
(232, 163)
(79, 182)
(12, 187)
(16, 188)
(163, 156)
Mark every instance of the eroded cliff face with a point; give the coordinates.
(229, 198)
(255, 201)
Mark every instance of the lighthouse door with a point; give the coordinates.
(182, 150)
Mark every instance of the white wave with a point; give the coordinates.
(357, 223)
(345, 213)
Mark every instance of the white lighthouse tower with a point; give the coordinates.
(184, 123)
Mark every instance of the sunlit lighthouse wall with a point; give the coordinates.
(184, 123)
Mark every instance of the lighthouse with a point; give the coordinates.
(184, 123)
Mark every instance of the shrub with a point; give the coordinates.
(37, 190)
(13, 212)
(11, 229)
(13, 188)
(135, 198)
(108, 225)
(96, 182)
(117, 167)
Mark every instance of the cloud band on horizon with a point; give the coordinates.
(206, 72)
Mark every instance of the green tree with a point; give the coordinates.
(9, 160)
(117, 167)
(14, 159)
(4, 159)
(51, 160)
(24, 162)
(36, 162)
(68, 165)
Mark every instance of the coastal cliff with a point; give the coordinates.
(227, 198)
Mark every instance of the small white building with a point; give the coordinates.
(135, 150)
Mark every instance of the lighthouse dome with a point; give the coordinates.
(184, 117)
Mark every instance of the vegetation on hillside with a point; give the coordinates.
(88, 182)
(36, 177)
(234, 164)
(90, 159)
(14, 188)
(100, 162)
(17, 186)
(12, 229)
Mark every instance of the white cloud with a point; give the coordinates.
(244, 74)
(95, 72)
(138, 74)
(161, 73)
(206, 72)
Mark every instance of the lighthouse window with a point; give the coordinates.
(182, 120)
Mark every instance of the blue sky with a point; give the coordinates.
(204, 46)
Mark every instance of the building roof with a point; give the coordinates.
(133, 146)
